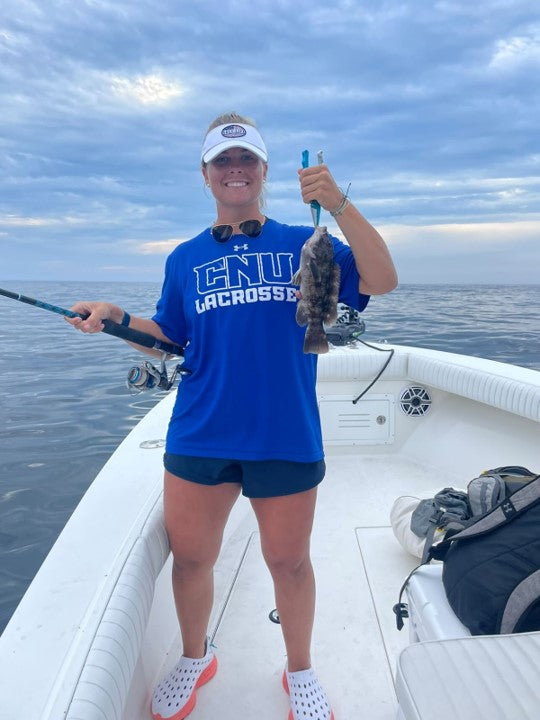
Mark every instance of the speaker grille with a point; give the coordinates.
(415, 401)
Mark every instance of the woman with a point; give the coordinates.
(246, 419)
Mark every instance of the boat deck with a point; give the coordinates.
(97, 628)
(359, 566)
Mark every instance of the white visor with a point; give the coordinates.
(232, 135)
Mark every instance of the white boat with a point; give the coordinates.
(97, 627)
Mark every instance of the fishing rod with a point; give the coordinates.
(109, 327)
(314, 205)
(140, 378)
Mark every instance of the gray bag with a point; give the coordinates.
(485, 492)
(447, 506)
(493, 486)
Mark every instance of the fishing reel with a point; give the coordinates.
(348, 327)
(148, 377)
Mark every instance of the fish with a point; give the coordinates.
(318, 277)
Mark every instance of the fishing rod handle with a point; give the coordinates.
(140, 338)
(314, 204)
(131, 335)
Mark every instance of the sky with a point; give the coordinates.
(430, 109)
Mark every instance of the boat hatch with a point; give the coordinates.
(369, 422)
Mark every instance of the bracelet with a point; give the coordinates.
(343, 204)
(126, 319)
(341, 207)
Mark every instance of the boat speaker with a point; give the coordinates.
(415, 401)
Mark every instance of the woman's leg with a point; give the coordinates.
(195, 517)
(285, 525)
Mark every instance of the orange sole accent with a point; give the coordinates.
(285, 683)
(286, 688)
(184, 711)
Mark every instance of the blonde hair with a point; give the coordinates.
(234, 117)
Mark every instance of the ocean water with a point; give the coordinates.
(64, 406)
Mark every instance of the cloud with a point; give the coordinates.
(16, 221)
(432, 116)
(515, 51)
(465, 253)
(158, 247)
(470, 236)
(113, 214)
(118, 268)
(146, 89)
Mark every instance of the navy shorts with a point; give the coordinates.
(258, 478)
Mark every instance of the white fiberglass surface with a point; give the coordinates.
(359, 568)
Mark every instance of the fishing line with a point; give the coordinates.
(372, 383)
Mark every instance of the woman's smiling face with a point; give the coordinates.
(236, 177)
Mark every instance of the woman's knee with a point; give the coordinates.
(192, 545)
(188, 563)
(286, 561)
(192, 550)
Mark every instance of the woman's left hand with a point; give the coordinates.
(317, 183)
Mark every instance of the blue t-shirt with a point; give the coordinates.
(251, 394)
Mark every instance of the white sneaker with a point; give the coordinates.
(175, 696)
(308, 699)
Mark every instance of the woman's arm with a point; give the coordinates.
(372, 258)
(99, 311)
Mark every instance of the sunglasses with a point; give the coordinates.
(251, 228)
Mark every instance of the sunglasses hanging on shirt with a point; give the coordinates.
(251, 228)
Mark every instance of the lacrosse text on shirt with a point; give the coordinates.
(247, 278)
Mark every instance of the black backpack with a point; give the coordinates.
(491, 571)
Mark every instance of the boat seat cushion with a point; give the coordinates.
(472, 678)
(346, 364)
(510, 388)
(473, 378)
